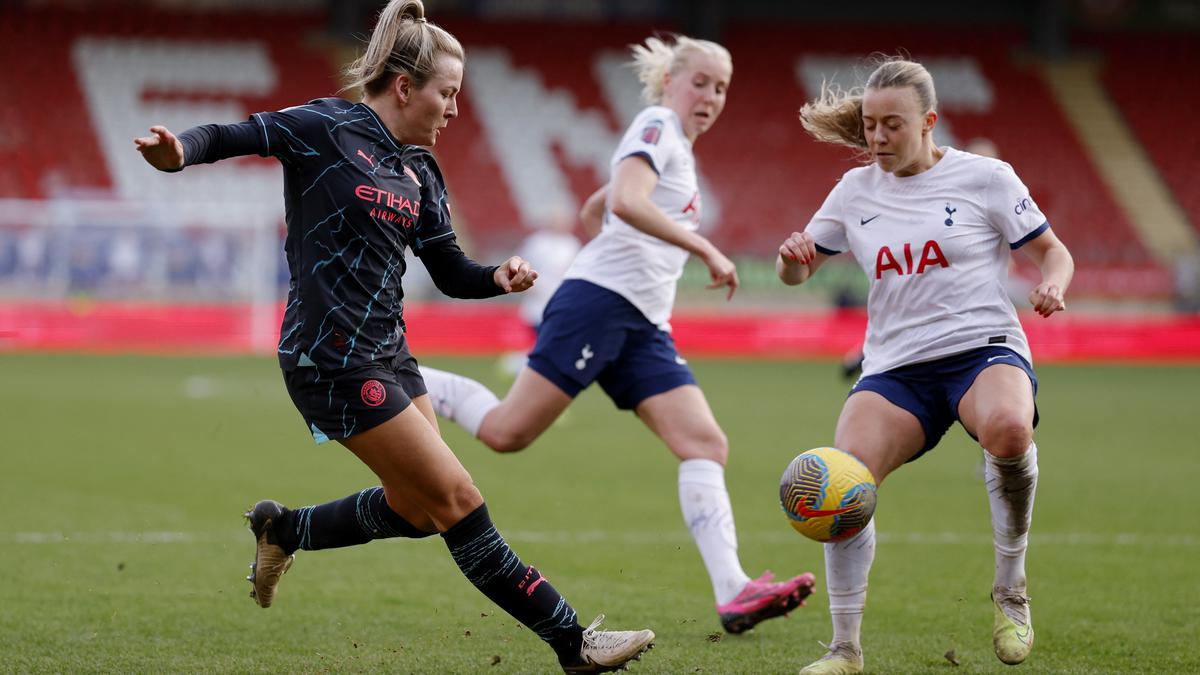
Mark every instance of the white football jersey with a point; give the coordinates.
(641, 268)
(936, 248)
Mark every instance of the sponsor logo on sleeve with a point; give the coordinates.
(652, 132)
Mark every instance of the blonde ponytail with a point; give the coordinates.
(835, 116)
(403, 42)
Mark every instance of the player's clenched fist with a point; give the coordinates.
(1047, 299)
(798, 249)
(515, 275)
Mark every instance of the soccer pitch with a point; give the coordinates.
(123, 549)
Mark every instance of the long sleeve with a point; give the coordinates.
(455, 274)
(209, 143)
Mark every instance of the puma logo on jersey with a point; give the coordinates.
(370, 160)
(586, 353)
(931, 255)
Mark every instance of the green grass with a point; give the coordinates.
(122, 549)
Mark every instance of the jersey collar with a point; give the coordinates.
(387, 135)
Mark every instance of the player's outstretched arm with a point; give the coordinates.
(629, 200)
(798, 258)
(162, 150)
(1057, 267)
(515, 275)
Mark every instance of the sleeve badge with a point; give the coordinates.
(652, 132)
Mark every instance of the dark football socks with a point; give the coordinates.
(487, 561)
(349, 521)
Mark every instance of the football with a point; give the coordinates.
(827, 494)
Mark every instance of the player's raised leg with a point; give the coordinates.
(529, 408)
(683, 419)
(458, 398)
(894, 436)
(999, 410)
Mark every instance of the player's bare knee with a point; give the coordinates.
(506, 440)
(717, 447)
(711, 446)
(456, 503)
(1006, 434)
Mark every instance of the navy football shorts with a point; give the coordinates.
(591, 334)
(338, 403)
(931, 390)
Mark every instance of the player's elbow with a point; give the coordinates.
(623, 207)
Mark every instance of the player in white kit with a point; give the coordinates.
(933, 228)
(608, 322)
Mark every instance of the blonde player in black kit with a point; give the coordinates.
(359, 189)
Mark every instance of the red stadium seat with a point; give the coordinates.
(1156, 112)
(765, 174)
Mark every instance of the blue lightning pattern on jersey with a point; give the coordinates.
(326, 220)
(383, 285)
(305, 149)
(349, 121)
(336, 165)
(352, 210)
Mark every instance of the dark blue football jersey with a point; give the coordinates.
(355, 199)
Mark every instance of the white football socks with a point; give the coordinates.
(709, 515)
(1011, 484)
(847, 564)
(459, 399)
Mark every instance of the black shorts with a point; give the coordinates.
(338, 403)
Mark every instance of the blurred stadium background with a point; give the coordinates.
(98, 252)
